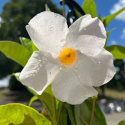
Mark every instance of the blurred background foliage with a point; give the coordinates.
(118, 82)
(16, 15)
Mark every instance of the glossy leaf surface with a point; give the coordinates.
(27, 43)
(83, 114)
(18, 114)
(107, 34)
(117, 51)
(89, 7)
(15, 51)
(106, 20)
(61, 114)
(71, 114)
(34, 48)
(34, 98)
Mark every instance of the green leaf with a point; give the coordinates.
(34, 47)
(18, 114)
(106, 20)
(27, 43)
(46, 97)
(107, 34)
(47, 100)
(122, 122)
(31, 90)
(34, 98)
(83, 113)
(117, 51)
(89, 7)
(50, 102)
(15, 51)
(61, 114)
(48, 90)
(70, 109)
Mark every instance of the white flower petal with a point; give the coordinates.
(38, 72)
(97, 70)
(67, 88)
(87, 35)
(50, 57)
(48, 31)
(51, 75)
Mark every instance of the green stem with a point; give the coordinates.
(62, 105)
(54, 109)
(63, 3)
(84, 123)
(93, 108)
(70, 109)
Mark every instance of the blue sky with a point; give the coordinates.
(104, 8)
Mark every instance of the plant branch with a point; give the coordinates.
(70, 109)
(54, 109)
(93, 108)
(63, 3)
(62, 105)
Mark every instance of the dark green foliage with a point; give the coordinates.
(15, 85)
(118, 82)
(16, 15)
(7, 66)
(83, 113)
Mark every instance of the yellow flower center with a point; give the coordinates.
(67, 56)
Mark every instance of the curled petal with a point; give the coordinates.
(38, 72)
(87, 35)
(48, 31)
(97, 70)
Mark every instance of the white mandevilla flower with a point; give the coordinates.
(72, 59)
